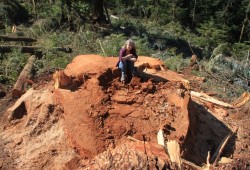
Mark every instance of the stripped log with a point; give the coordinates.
(22, 81)
(30, 49)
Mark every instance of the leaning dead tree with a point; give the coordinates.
(23, 79)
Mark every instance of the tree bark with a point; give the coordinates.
(107, 14)
(66, 11)
(174, 9)
(242, 31)
(34, 6)
(246, 20)
(22, 81)
(98, 9)
(194, 13)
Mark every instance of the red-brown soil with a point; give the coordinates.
(89, 126)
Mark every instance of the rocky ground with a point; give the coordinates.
(92, 121)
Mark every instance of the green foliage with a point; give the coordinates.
(40, 27)
(11, 11)
(49, 41)
(224, 49)
(47, 10)
(112, 44)
(83, 9)
(230, 69)
(223, 90)
(82, 43)
(129, 27)
(210, 35)
(51, 60)
(142, 46)
(176, 63)
(174, 29)
(11, 66)
(241, 51)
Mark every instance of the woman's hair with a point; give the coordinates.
(129, 41)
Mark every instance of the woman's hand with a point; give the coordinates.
(133, 59)
(127, 57)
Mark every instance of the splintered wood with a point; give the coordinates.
(174, 152)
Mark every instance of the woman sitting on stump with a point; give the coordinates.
(127, 58)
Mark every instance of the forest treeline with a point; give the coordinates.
(229, 18)
(169, 30)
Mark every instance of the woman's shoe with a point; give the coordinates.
(123, 78)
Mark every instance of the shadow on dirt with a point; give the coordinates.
(205, 134)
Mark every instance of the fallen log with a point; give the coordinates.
(209, 99)
(25, 39)
(22, 81)
(30, 49)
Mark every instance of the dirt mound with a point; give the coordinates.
(87, 122)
